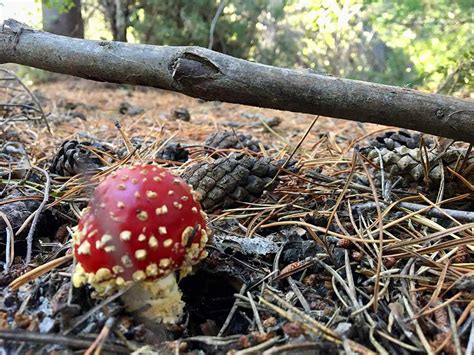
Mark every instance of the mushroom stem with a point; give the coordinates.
(158, 300)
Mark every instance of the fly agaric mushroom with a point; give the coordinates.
(142, 224)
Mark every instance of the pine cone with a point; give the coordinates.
(392, 140)
(182, 113)
(231, 140)
(171, 151)
(232, 179)
(138, 143)
(174, 152)
(400, 160)
(17, 211)
(74, 158)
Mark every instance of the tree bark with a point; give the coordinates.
(209, 75)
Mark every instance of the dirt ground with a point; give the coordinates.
(157, 120)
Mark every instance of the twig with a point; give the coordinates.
(9, 247)
(299, 295)
(98, 343)
(33, 97)
(380, 245)
(37, 213)
(255, 313)
(93, 310)
(454, 331)
(257, 349)
(231, 313)
(470, 343)
(299, 348)
(214, 22)
(37, 272)
(19, 335)
(437, 212)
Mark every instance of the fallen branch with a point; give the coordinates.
(209, 75)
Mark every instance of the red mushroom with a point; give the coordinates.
(142, 224)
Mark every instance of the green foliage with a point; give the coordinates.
(61, 5)
(437, 36)
(181, 22)
(32, 75)
(418, 43)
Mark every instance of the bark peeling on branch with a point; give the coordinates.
(210, 75)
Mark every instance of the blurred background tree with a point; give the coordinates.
(63, 17)
(425, 44)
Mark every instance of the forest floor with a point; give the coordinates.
(334, 258)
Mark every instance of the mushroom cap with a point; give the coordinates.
(141, 224)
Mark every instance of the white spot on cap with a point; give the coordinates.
(102, 274)
(106, 238)
(136, 194)
(120, 205)
(203, 255)
(126, 261)
(204, 238)
(140, 254)
(194, 209)
(170, 192)
(142, 215)
(124, 177)
(84, 248)
(125, 235)
(161, 210)
(117, 269)
(177, 205)
(152, 270)
(121, 187)
(162, 230)
(164, 263)
(134, 181)
(168, 242)
(109, 248)
(153, 242)
(139, 275)
(196, 196)
(151, 194)
(157, 178)
(184, 198)
(186, 235)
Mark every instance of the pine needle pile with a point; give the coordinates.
(326, 237)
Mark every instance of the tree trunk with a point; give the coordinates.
(210, 75)
(68, 23)
(117, 12)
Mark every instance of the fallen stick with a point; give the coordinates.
(75, 342)
(437, 212)
(210, 75)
